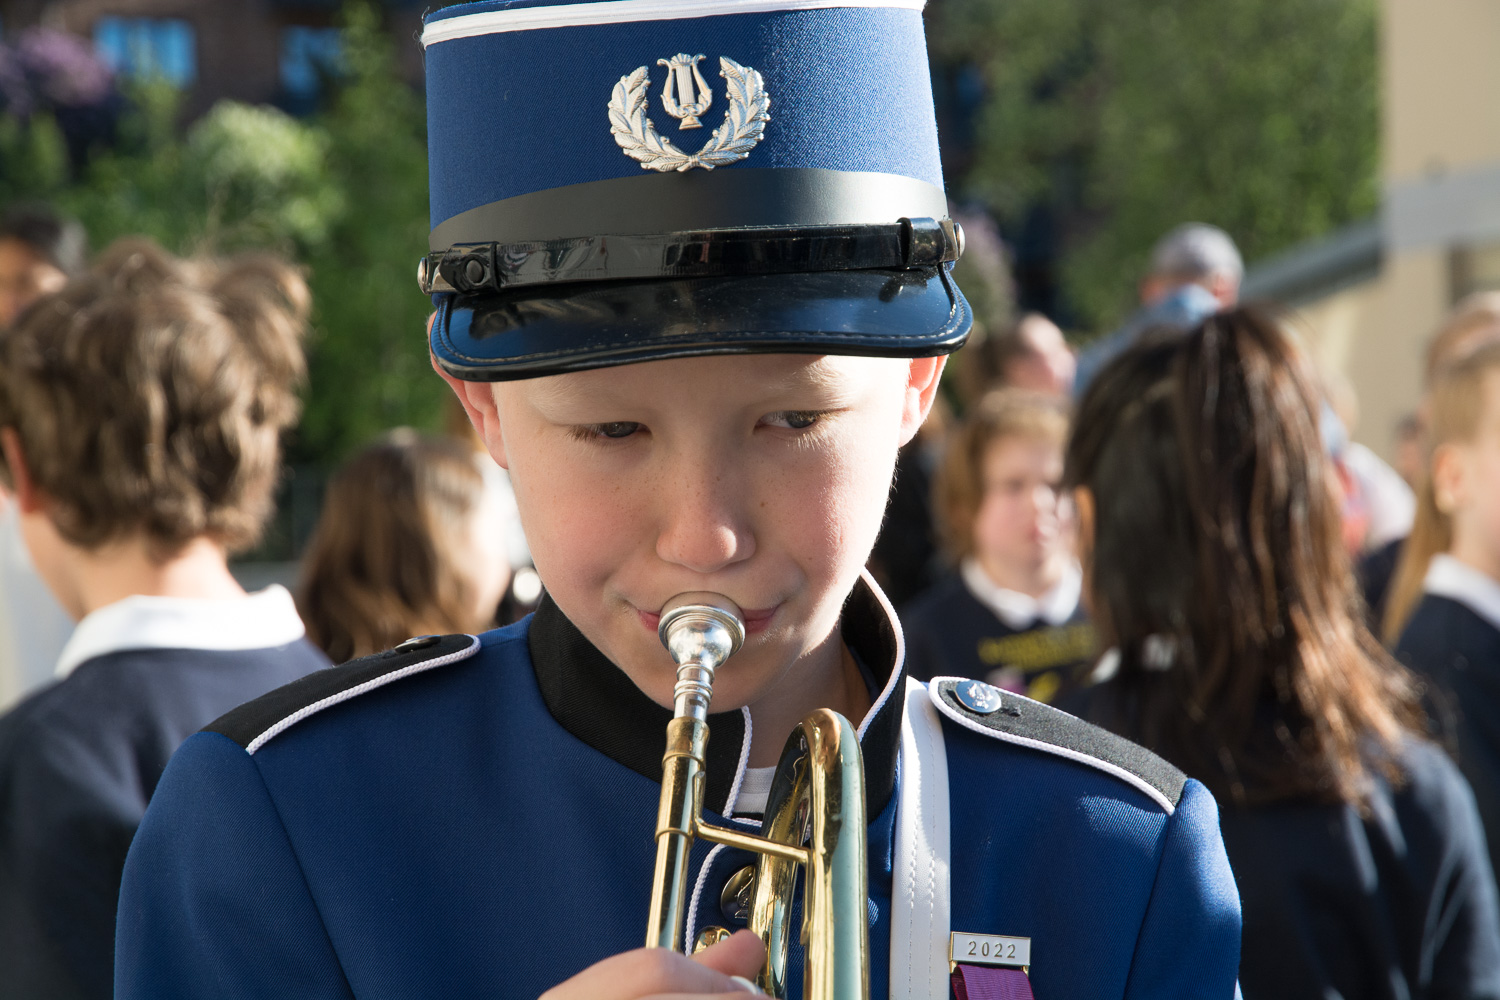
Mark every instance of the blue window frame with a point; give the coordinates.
(166, 47)
(308, 56)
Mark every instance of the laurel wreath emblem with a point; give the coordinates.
(744, 122)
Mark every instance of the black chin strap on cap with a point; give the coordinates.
(492, 267)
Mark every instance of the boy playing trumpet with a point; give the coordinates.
(697, 355)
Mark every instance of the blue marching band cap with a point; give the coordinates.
(628, 180)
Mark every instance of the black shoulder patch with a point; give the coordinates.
(1031, 723)
(252, 723)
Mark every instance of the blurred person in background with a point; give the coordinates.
(1010, 613)
(1034, 355)
(1473, 323)
(1210, 533)
(411, 542)
(39, 251)
(1385, 504)
(1031, 355)
(906, 559)
(1410, 452)
(524, 593)
(1195, 271)
(1444, 610)
(141, 410)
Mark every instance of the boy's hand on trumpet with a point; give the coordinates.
(658, 973)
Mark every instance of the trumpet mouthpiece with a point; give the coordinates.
(701, 631)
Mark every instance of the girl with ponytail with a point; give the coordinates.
(1444, 610)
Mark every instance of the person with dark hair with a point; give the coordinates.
(1237, 650)
(39, 251)
(141, 411)
(411, 542)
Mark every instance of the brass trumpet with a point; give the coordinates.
(814, 818)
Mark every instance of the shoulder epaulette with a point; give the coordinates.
(256, 722)
(1015, 719)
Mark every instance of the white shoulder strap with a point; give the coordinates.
(919, 890)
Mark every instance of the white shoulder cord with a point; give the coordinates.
(919, 890)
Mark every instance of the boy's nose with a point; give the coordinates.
(702, 529)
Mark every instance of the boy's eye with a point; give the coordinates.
(796, 420)
(615, 430)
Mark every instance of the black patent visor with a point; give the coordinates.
(494, 267)
(910, 312)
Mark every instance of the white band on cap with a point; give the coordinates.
(624, 12)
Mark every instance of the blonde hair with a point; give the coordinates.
(384, 561)
(1457, 401)
(1476, 314)
(150, 395)
(959, 490)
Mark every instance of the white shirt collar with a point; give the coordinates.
(755, 789)
(1019, 610)
(262, 620)
(1447, 577)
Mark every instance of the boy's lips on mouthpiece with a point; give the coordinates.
(755, 620)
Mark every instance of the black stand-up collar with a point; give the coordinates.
(595, 701)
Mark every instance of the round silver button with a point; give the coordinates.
(417, 642)
(977, 697)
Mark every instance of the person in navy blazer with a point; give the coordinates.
(698, 380)
(141, 409)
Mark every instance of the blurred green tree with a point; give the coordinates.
(369, 368)
(242, 177)
(1127, 117)
(344, 193)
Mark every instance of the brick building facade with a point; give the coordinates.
(270, 51)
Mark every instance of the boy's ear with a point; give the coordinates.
(28, 497)
(478, 401)
(1448, 478)
(921, 392)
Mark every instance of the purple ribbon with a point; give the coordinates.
(990, 982)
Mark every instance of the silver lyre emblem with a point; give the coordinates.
(682, 71)
(686, 95)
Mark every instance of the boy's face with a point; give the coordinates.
(1467, 477)
(1022, 521)
(760, 477)
(25, 276)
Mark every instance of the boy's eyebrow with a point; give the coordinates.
(818, 376)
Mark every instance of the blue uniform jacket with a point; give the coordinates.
(78, 762)
(475, 818)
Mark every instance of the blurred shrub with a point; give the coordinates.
(344, 193)
(263, 177)
(369, 368)
(1122, 118)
